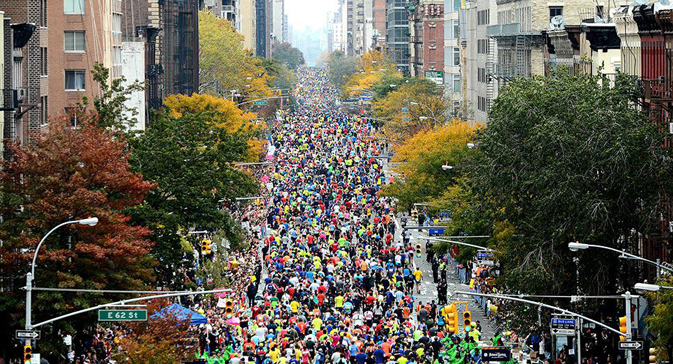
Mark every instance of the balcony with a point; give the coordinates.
(503, 30)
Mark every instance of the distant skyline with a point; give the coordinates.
(312, 14)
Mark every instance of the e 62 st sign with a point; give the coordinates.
(631, 345)
(27, 334)
(122, 315)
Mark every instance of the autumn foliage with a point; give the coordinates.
(163, 338)
(372, 67)
(68, 174)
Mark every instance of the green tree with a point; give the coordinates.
(659, 322)
(189, 158)
(341, 68)
(568, 158)
(224, 64)
(288, 55)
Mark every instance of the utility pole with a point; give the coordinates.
(627, 305)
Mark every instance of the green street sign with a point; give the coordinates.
(122, 315)
(258, 103)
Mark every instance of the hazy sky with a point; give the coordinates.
(308, 13)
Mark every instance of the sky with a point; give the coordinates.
(304, 14)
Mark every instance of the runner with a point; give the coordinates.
(340, 285)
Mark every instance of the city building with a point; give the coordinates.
(264, 27)
(278, 21)
(168, 31)
(478, 85)
(379, 16)
(242, 15)
(397, 36)
(426, 27)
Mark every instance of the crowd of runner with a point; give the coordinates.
(339, 283)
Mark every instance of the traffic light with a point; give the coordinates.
(27, 353)
(228, 307)
(622, 328)
(450, 317)
(467, 320)
(414, 214)
(418, 250)
(206, 245)
(653, 355)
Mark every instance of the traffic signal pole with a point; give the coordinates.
(627, 304)
(544, 305)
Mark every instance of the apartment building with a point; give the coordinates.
(379, 12)
(397, 36)
(264, 27)
(454, 53)
(478, 87)
(243, 17)
(426, 28)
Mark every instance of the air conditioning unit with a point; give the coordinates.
(21, 93)
(670, 128)
(670, 226)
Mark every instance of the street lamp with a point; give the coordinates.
(447, 167)
(649, 287)
(470, 145)
(91, 221)
(575, 246)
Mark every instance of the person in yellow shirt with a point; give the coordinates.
(294, 306)
(339, 301)
(274, 354)
(317, 323)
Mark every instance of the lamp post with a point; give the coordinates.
(91, 221)
(649, 287)
(575, 246)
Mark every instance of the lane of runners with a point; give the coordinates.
(337, 286)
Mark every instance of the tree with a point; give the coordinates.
(290, 56)
(281, 76)
(223, 63)
(372, 67)
(221, 113)
(421, 159)
(568, 158)
(659, 322)
(340, 67)
(163, 338)
(425, 104)
(190, 160)
(70, 173)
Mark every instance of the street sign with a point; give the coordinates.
(563, 323)
(496, 353)
(563, 332)
(631, 345)
(260, 103)
(27, 334)
(405, 109)
(122, 315)
(436, 231)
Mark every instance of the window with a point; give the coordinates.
(456, 82)
(43, 61)
(483, 103)
(454, 29)
(44, 110)
(483, 17)
(43, 13)
(74, 41)
(73, 6)
(456, 56)
(74, 80)
(482, 46)
(554, 11)
(600, 11)
(481, 75)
